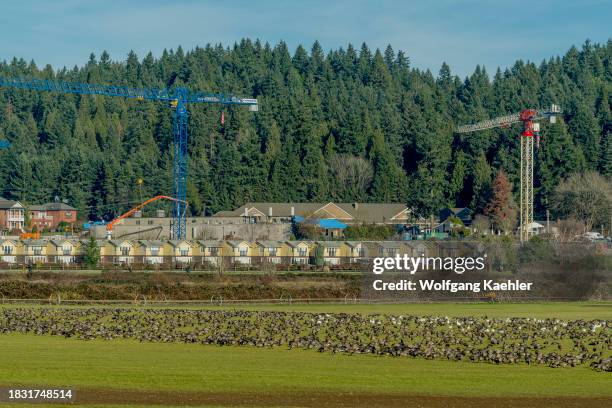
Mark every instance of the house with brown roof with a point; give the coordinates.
(50, 215)
(347, 213)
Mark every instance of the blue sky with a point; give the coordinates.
(462, 33)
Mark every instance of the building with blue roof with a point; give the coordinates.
(332, 227)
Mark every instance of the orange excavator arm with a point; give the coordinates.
(110, 225)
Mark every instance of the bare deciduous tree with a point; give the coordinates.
(353, 174)
(568, 230)
(586, 197)
(481, 224)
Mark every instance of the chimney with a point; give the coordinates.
(269, 211)
(292, 211)
(246, 212)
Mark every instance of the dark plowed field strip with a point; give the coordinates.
(87, 396)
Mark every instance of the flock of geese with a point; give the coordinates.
(551, 342)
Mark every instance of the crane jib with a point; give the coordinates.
(153, 94)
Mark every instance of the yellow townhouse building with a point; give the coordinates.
(240, 252)
(183, 252)
(118, 252)
(10, 251)
(299, 252)
(63, 251)
(35, 251)
(210, 252)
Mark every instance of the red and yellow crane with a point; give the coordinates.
(531, 131)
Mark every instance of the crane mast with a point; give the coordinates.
(178, 99)
(531, 131)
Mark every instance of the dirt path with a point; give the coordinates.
(86, 396)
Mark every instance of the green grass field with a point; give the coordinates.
(166, 374)
(129, 365)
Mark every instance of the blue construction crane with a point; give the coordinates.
(177, 98)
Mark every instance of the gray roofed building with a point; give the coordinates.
(352, 213)
(270, 244)
(5, 204)
(151, 244)
(176, 243)
(210, 243)
(295, 244)
(390, 244)
(236, 244)
(52, 207)
(119, 242)
(330, 244)
(35, 242)
(61, 242)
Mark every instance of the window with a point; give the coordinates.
(66, 250)
(7, 250)
(361, 252)
(244, 251)
(37, 250)
(150, 222)
(184, 251)
(68, 214)
(125, 250)
(154, 251)
(272, 251)
(331, 251)
(137, 222)
(302, 251)
(214, 251)
(391, 252)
